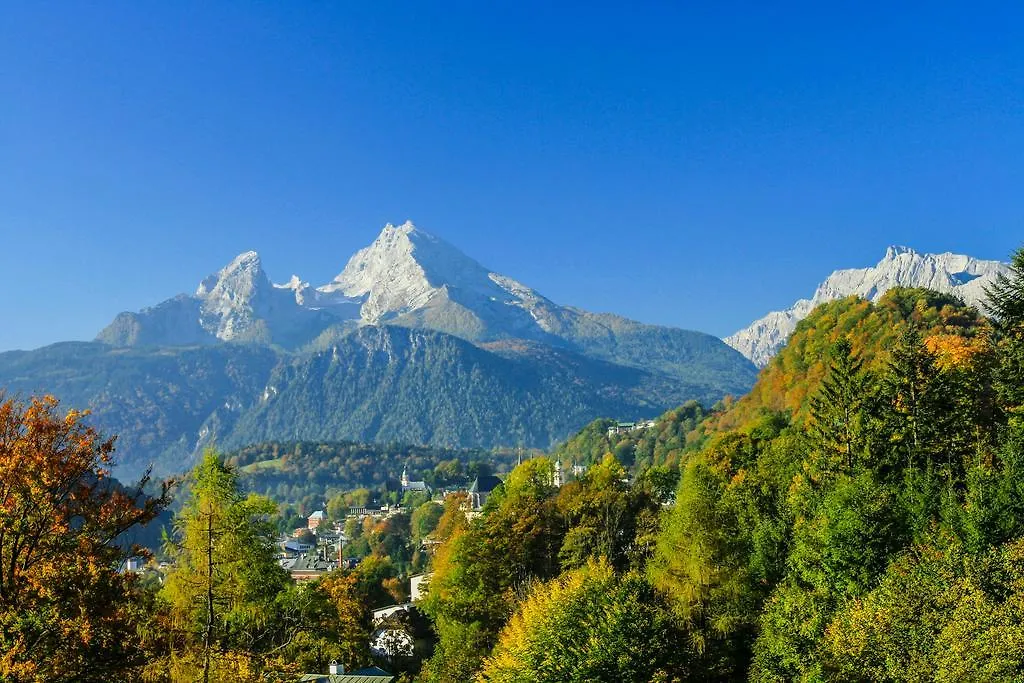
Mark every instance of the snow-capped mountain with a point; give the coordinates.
(408, 276)
(411, 278)
(238, 303)
(961, 276)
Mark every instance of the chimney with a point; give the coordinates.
(336, 669)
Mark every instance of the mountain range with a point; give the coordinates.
(962, 276)
(412, 341)
(410, 278)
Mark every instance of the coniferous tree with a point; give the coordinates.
(916, 413)
(837, 409)
(1005, 297)
(1005, 302)
(225, 577)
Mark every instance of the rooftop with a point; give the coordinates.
(485, 484)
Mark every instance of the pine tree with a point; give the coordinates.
(917, 411)
(837, 409)
(1004, 298)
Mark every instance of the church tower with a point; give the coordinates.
(558, 474)
(405, 477)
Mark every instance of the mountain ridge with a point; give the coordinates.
(409, 278)
(962, 276)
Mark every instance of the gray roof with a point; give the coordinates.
(346, 678)
(369, 675)
(485, 484)
(312, 563)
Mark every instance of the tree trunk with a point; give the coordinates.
(208, 632)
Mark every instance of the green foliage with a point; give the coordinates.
(393, 384)
(1005, 297)
(837, 409)
(871, 329)
(856, 517)
(673, 435)
(589, 624)
(425, 519)
(222, 588)
(605, 518)
(351, 474)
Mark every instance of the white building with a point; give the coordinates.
(418, 584)
(413, 485)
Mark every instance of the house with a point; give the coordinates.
(621, 428)
(418, 585)
(401, 636)
(293, 548)
(134, 565)
(392, 643)
(625, 427)
(383, 613)
(481, 490)
(316, 519)
(308, 567)
(337, 674)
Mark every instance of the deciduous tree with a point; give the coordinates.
(65, 611)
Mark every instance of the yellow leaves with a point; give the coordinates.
(953, 351)
(738, 478)
(58, 515)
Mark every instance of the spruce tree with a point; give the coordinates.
(837, 408)
(1005, 302)
(917, 412)
(1004, 298)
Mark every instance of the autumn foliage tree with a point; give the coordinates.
(65, 610)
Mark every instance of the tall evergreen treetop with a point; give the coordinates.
(1005, 296)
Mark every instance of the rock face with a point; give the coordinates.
(410, 278)
(239, 303)
(961, 276)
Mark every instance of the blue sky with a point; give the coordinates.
(685, 166)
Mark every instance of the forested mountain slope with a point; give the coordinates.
(378, 383)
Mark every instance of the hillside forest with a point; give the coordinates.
(858, 516)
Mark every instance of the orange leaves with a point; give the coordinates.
(953, 351)
(59, 516)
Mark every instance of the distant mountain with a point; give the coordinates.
(410, 278)
(237, 304)
(413, 342)
(962, 276)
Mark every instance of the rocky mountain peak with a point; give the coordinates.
(404, 269)
(962, 276)
(894, 251)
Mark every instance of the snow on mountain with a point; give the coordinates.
(410, 274)
(961, 276)
(410, 278)
(238, 303)
(406, 269)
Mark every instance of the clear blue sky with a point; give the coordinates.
(692, 167)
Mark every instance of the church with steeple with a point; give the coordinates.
(408, 485)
